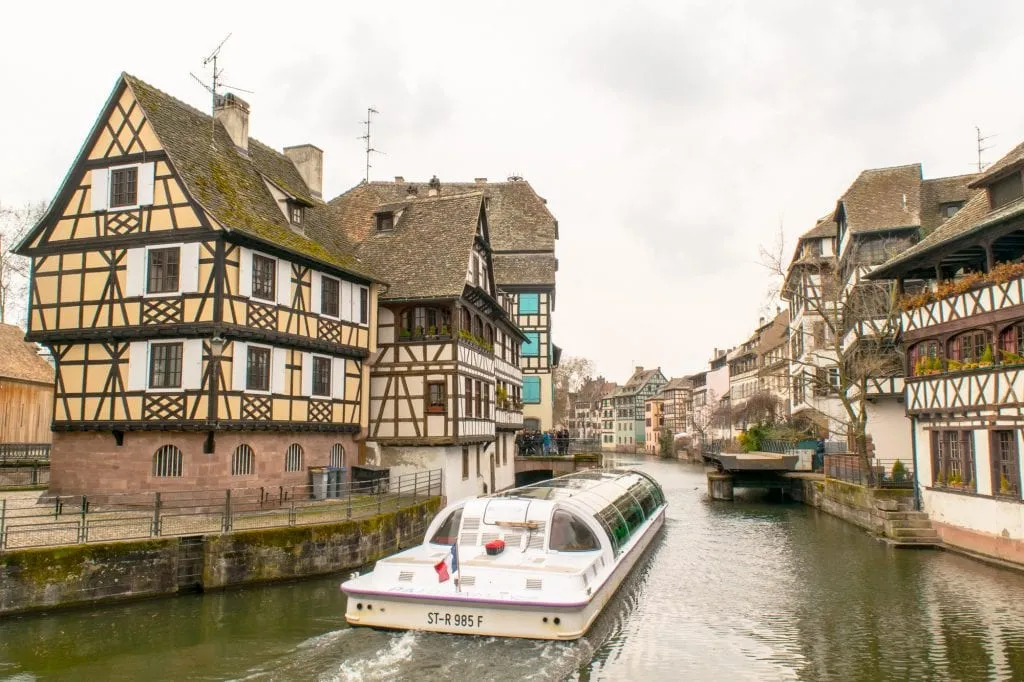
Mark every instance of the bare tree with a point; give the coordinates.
(852, 334)
(763, 407)
(14, 270)
(713, 414)
(570, 376)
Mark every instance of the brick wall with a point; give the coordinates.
(92, 462)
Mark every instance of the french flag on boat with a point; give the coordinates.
(448, 566)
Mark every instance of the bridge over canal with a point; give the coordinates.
(532, 469)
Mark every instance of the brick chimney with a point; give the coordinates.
(233, 113)
(309, 161)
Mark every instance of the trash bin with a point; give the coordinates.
(335, 475)
(318, 477)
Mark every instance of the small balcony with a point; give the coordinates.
(1003, 287)
(508, 414)
(976, 389)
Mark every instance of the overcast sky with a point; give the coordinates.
(670, 139)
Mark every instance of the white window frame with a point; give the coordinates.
(277, 280)
(312, 362)
(270, 370)
(141, 198)
(188, 269)
(320, 301)
(140, 356)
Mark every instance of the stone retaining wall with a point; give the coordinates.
(53, 577)
(860, 505)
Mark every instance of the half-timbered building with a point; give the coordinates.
(523, 233)
(964, 340)
(210, 329)
(446, 388)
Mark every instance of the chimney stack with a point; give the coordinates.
(638, 369)
(399, 179)
(480, 181)
(309, 161)
(434, 187)
(233, 113)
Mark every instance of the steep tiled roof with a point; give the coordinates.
(427, 252)
(824, 227)
(525, 268)
(883, 199)
(972, 218)
(1013, 159)
(19, 359)
(230, 186)
(518, 218)
(939, 191)
(777, 332)
(640, 379)
(676, 384)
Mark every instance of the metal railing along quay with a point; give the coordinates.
(69, 520)
(884, 473)
(18, 453)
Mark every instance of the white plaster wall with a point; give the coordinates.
(889, 429)
(981, 514)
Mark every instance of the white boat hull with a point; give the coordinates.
(513, 618)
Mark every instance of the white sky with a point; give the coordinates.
(670, 139)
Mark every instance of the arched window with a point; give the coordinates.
(293, 458)
(924, 357)
(489, 334)
(970, 346)
(570, 534)
(1011, 343)
(465, 319)
(420, 321)
(478, 327)
(167, 461)
(337, 456)
(243, 461)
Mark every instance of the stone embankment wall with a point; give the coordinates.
(861, 506)
(52, 577)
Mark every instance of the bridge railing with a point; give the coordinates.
(18, 453)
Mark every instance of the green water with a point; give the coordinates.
(730, 591)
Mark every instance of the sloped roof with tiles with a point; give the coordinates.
(883, 199)
(939, 191)
(427, 252)
(19, 359)
(1013, 160)
(231, 188)
(516, 269)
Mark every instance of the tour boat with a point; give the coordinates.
(538, 562)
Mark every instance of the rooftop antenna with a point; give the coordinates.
(981, 166)
(215, 82)
(370, 111)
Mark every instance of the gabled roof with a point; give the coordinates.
(939, 191)
(824, 227)
(640, 379)
(426, 253)
(19, 359)
(518, 217)
(677, 384)
(775, 333)
(883, 199)
(1011, 161)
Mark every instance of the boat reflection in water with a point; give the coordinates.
(539, 562)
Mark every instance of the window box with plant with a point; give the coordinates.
(1001, 273)
(476, 341)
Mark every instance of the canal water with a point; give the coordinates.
(730, 591)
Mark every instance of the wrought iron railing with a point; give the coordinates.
(882, 473)
(24, 452)
(69, 520)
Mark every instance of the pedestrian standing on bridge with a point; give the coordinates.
(547, 442)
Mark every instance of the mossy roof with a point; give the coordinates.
(231, 187)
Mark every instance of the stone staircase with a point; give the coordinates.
(909, 529)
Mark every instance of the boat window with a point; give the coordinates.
(616, 524)
(570, 534)
(643, 495)
(448, 532)
(631, 511)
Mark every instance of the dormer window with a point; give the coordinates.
(385, 222)
(296, 214)
(948, 209)
(1006, 190)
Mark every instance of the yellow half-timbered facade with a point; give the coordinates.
(207, 329)
(446, 388)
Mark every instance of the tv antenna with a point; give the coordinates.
(370, 111)
(981, 166)
(215, 83)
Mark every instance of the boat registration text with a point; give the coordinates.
(459, 620)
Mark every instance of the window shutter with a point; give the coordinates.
(189, 281)
(364, 309)
(239, 363)
(277, 371)
(192, 364)
(100, 194)
(244, 272)
(346, 302)
(316, 293)
(146, 173)
(138, 365)
(284, 282)
(135, 281)
(338, 378)
(307, 374)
